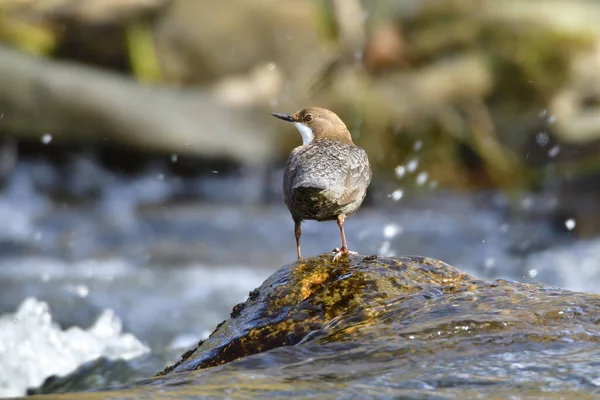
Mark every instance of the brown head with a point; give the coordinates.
(316, 123)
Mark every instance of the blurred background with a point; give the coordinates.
(140, 169)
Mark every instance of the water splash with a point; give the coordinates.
(33, 347)
(570, 224)
(46, 138)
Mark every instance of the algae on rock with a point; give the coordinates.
(406, 304)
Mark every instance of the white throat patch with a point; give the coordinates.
(306, 132)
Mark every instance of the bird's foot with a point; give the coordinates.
(340, 252)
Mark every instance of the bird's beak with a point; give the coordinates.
(284, 117)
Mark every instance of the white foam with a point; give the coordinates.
(33, 347)
(575, 266)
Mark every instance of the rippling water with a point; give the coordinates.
(172, 270)
(347, 371)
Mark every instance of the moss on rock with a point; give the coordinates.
(392, 300)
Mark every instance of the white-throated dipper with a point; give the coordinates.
(327, 177)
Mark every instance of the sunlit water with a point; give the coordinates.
(171, 272)
(517, 371)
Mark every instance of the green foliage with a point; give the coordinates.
(142, 53)
(24, 35)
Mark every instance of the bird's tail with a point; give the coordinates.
(310, 193)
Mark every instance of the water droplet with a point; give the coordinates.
(542, 139)
(552, 119)
(570, 224)
(411, 337)
(384, 249)
(543, 113)
(418, 145)
(215, 172)
(16, 321)
(589, 266)
(527, 203)
(561, 312)
(160, 177)
(272, 66)
(173, 158)
(553, 152)
(46, 138)
(397, 194)
(81, 290)
(532, 273)
(391, 230)
(400, 171)
(412, 165)
(422, 178)
(489, 262)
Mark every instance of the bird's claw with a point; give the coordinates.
(339, 253)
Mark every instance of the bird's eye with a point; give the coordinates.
(308, 118)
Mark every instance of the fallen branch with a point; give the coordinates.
(74, 102)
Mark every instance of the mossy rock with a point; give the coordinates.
(396, 302)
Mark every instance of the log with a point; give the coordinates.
(78, 103)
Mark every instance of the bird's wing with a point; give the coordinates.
(358, 177)
(289, 175)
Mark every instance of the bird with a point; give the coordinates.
(326, 178)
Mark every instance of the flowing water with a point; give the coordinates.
(129, 269)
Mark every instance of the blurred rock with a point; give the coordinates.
(261, 86)
(349, 20)
(8, 158)
(200, 41)
(95, 374)
(385, 49)
(86, 11)
(576, 107)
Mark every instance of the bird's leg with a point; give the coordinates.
(298, 233)
(340, 221)
(344, 249)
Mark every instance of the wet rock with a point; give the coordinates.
(419, 304)
(94, 374)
